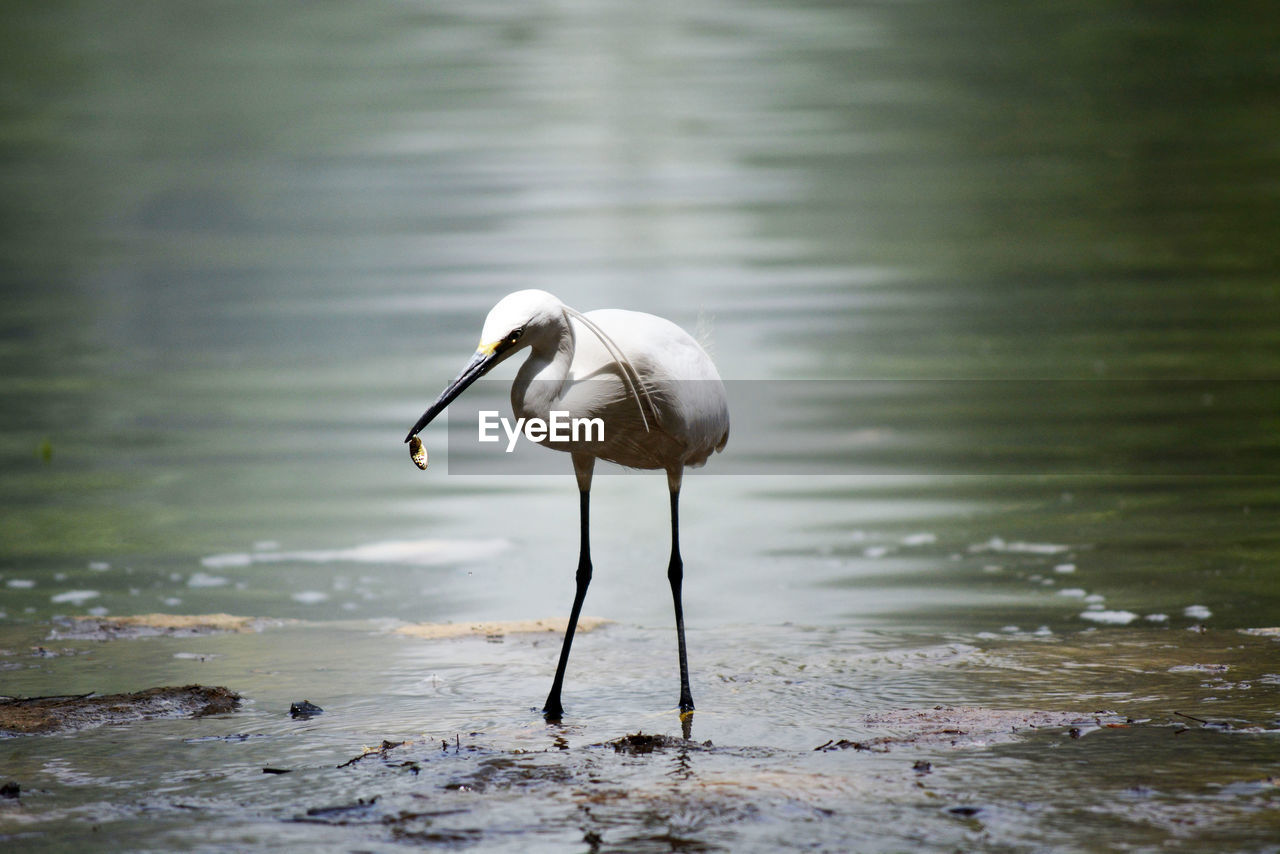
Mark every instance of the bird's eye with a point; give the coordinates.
(516, 333)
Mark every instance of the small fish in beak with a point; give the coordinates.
(417, 453)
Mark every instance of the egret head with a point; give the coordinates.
(519, 320)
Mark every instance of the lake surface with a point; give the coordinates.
(995, 290)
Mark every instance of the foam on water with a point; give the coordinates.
(74, 597)
(1110, 618)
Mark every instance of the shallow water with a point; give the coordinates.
(1022, 259)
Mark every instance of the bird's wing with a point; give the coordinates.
(682, 390)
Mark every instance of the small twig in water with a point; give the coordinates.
(1192, 718)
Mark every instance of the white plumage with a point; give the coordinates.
(656, 390)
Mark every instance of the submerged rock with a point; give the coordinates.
(40, 715)
(304, 709)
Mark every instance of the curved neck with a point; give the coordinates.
(540, 380)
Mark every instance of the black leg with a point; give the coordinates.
(675, 574)
(553, 710)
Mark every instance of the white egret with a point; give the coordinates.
(656, 390)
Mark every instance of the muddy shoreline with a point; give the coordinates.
(44, 715)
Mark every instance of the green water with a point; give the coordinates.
(1025, 259)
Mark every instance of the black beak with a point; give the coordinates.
(478, 366)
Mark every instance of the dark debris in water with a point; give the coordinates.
(304, 709)
(229, 739)
(381, 750)
(687, 793)
(40, 715)
(877, 744)
(361, 812)
(966, 726)
(1218, 725)
(639, 743)
(385, 749)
